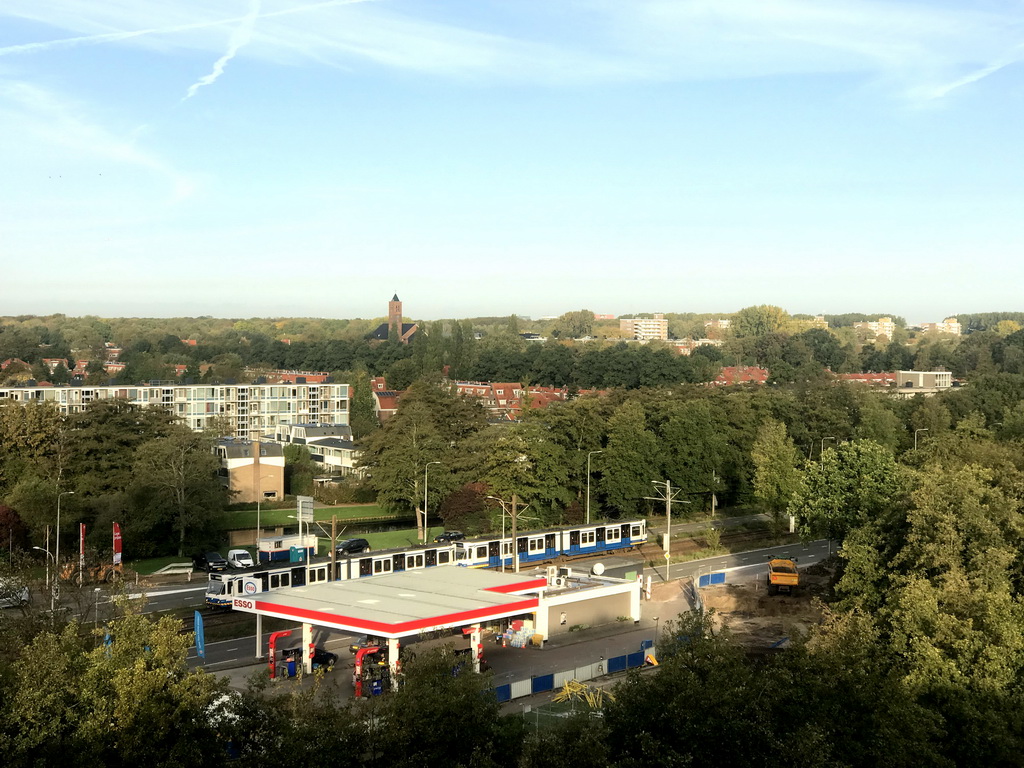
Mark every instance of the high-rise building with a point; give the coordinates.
(645, 328)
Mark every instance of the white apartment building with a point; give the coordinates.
(883, 326)
(645, 328)
(950, 325)
(329, 445)
(252, 409)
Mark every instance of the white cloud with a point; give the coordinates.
(241, 36)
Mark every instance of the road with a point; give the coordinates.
(754, 562)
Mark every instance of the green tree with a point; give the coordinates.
(299, 470)
(851, 484)
(631, 461)
(758, 321)
(362, 414)
(180, 471)
(776, 477)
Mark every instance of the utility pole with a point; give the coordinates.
(334, 545)
(667, 496)
(515, 544)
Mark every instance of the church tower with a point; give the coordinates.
(395, 317)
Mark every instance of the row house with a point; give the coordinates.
(686, 346)
(329, 445)
(251, 410)
(741, 374)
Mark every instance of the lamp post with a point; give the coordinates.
(923, 429)
(823, 442)
(588, 483)
(514, 514)
(657, 627)
(667, 497)
(56, 557)
(49, 557)
(425, 479)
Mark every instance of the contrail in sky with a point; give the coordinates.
(110, 37)
(241, 36)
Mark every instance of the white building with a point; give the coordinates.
(645, 328)
(330, 445)
(883, 326)
(950, 325)
(251, 409)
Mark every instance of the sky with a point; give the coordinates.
(254, 158)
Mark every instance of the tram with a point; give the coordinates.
(484, 552)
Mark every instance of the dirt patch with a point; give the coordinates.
(759, 620)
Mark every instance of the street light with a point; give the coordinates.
(425, 470)
(823, 442)
(923, 429)
(657, 627)
(514, 514)
(588, 483)
(56, 557)
(49, 557)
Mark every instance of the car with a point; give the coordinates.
(448, 537)
(351, 547)
(12, 594)
(365, 641)
(321, 657)
(211, 561)
(240, 558)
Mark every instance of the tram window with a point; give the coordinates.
(382, 566)
(443, 556)
(481, 552)
(586, 537)
(414, 561)
(231, 587)
(506, 549)
(612, 535)
(275, 581)
(284, 580)
(536, 545)
(635, 532)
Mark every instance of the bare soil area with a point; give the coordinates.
(759, 620)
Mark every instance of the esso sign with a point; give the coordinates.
(250, 588)
(244, 604)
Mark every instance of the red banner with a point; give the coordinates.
(117, 544)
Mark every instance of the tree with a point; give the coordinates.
(758, 321)
(851, 484)
(129, 701)
(693, 447)
(631, 460)
(574, 325)
(776, 477)
(362, 414)
(430, 421)
(180, 471)
(299, 470)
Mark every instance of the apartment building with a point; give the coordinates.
(910, 383)
(883, 326)
(949, 325)
(329, 445)
(645, 328)
(251, 409)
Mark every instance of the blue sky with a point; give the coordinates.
(272, 158)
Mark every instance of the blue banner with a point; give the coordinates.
(200, 638)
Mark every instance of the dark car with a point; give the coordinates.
(366, 641)
(448, 537)
(211, 561)
(352, 546)
(321, 657)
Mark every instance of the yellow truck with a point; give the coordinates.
(782, 575)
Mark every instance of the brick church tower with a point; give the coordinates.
(395, 317)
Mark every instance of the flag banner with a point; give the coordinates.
(81, 548)
(200, 636)
(117, 544)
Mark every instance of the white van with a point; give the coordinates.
(240, 558)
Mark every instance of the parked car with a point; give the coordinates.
(321, 657)
(211, 561)
(448, 537)
(12, 594)
(352, 547)
(365, 641)
(240, 558)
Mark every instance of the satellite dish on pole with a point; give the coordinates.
(598, 569)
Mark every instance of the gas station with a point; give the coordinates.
(414, 602)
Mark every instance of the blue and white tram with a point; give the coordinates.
(540, 546)
(533, 547)
(222, 586)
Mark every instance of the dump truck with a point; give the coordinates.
(782, 575)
